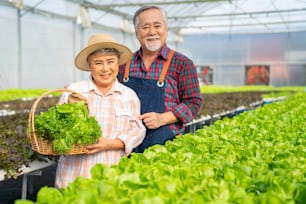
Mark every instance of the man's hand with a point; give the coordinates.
(153, 120)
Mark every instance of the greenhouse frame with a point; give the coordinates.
(39, 39)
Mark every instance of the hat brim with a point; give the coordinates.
(81, 59)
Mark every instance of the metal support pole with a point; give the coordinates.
(24, 189)
(19, 52)
(28, 183)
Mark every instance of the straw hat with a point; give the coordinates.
(100, 41)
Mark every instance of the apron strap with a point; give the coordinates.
(127, 71)
(165, 69)
(162, 75)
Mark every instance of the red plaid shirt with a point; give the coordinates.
(183, 97)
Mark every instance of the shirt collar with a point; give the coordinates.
(92, 87)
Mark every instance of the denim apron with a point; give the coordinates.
(152, 97)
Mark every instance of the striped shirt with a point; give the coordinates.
(182, 91)
(117, 114)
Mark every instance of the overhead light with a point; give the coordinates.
(83, 17)
(17, 3)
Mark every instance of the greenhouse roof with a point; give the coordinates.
(185, 16)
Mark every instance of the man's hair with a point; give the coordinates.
(145, 8)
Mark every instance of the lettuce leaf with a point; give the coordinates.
(67, 124)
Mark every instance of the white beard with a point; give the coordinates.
(153, 46)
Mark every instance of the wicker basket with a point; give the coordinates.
(41, 145)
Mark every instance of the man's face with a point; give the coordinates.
(104, 69)
(151, 30)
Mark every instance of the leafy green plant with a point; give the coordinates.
(13, 94)
(226, 89)
(255, 157)
(15, 149)
(67, 124)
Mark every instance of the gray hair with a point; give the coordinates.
(145, 8)
(107, 51)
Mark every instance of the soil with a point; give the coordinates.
(218, 103)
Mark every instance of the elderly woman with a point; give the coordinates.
(115, 106)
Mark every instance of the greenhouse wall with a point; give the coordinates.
(228, 56)
(37, 51)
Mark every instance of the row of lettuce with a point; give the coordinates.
(256, 157)
(13, 94)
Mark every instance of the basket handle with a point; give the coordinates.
(31, 127)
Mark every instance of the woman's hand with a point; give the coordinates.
(105, 144)
(72, 98)
(100, 146)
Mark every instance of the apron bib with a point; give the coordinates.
(152, 97)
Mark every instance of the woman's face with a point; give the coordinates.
(104, 70)
(151, 30)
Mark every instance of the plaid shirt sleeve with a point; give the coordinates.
(188, 90)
